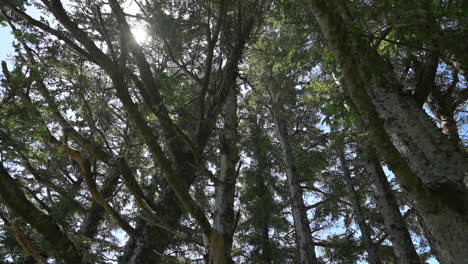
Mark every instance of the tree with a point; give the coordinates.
(271, 71)
(234, 132)
(412, 145)
(231, 30)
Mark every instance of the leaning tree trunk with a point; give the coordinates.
(435, 250)
(425, 162)
(366, 237)
(374, 87)
(16, 200)
(299, 212)
(224, 217)
(395, 225)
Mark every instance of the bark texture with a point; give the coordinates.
(435, 249)
(224, 218)
(395, 225)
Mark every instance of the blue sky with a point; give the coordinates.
(6, 40)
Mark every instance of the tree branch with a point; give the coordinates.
(92, 187)
(16, 200)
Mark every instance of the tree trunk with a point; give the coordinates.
(299, 212)
(370, 78)
(96, 213)
(224, 218)
(395, 226)
(15, 199)
(143, 248)
(435, 250)
(366, 237)
(219, 249)
(425, 162)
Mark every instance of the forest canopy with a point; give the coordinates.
(247, 131)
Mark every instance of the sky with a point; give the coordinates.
(6, 40)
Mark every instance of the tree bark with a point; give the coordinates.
(24, 242)
(301, 223)
(395, 225)
(435, 250)
(425, 162)
(224, 216)
(16, 200)
(366, 236)
(370, 78)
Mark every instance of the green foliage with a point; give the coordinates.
(285, 71)
(25, 36)
(344, 250)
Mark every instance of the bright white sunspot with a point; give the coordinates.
(140, 34)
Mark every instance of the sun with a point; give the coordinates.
(140, 34)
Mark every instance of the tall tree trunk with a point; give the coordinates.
(425, 162)
(366, 237)
(224, 218)
(299, 212)
(395, 225)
